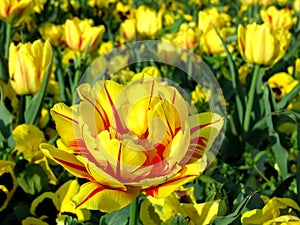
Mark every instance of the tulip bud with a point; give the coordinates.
(262, 44)
(53, 33)
(278, 18)
(80, 35)
(128, 29)
(28, 64)
(149, 22)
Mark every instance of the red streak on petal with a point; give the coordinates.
(105, 120)
(174, 96)
(118, 169)
(119, 125)
(199, 141)
(194, 129)
(72, 165)
(68, 118)
(95, 191)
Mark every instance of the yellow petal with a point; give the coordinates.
(94, 196)
(66, 123)
(187, 174)
(67, 160)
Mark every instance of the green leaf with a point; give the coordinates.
(289, 97)
(283, 187)
(32, 112)
(6, 119)
(238, 87)
(179, 220)
(33, 179)
(3, 69)
(119, 217)
(225, 220)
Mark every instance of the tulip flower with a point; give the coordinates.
(130, 139)
(148, 21)
(53, 33)
(28, 64)
(128, 29)
(14, 11)
(212, 16)
(278, 18)
(262, 44)
(80, 35)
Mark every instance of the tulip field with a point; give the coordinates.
(147, 112)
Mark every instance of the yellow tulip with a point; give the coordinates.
(80, 35)
(278, 18)
(28, 64)
(14, 11)
(257, 2)
(130, 139)
(210, 42)
(128, 29)
(262, 44)
(297, 6)
(8, 182)
(53, 33)
(187, 36)
(281, 84)
(148, 21)
(212, 16)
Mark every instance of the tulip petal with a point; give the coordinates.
(67, 160)
(185, 175)
(205, 127)
(66, 125)
(94, 196)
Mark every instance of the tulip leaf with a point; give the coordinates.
(289, 97)
(3, 69)
(33, 179)
(236, 83)
(298, 165)
(225, 220)
(6, 119)
(32, 112)
(119, 217)
(283, 187)
(281, 155)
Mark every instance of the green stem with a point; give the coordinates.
(22, 108)
(250, 99)
(298, 165)
(271, 185)
(77, 62)
(60, 77)
(133, 212)
(7, 40)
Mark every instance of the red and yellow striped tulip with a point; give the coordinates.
(130, 139)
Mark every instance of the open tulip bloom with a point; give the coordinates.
(131, 139)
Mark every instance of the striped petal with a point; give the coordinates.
(204, 128)
(67, 160)
(66, 125)
(187, 174)
(94, 196)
